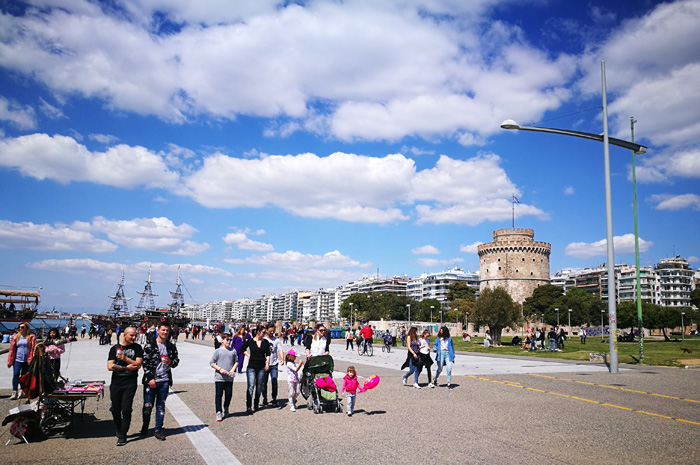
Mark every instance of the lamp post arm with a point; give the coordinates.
(584, 135)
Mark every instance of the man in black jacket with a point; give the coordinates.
(160, 357)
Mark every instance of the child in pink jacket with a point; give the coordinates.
(350, 385)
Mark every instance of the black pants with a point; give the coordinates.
(348, 343)
(122, 400)
(223, 389)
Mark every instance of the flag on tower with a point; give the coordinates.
(515, 199)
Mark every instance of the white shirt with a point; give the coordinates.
(318, 346)
(275, 348)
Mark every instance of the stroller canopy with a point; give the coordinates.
(321, 364)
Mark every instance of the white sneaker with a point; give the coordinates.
(415, 385)
(292, 408)
(219, 417)
(14, 395)
(431, 385)
(404, 380)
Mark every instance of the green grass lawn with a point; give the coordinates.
(656, 352)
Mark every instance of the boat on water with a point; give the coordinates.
(146, 310)
(18, 305)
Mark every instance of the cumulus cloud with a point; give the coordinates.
(243, 242)
(22, 116)
(470, 248)
(426, 250)
(50, 237)
(49, 110)
(62, 159)
(683, 163)
(432, 262)
(156, 234)
(652, 64)
(569, 190)
(347, 69)
(112, 270)
(298, 260)
(623, 245)
(105, 139)
(675, 202)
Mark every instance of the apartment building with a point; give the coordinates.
(675, 281)
(437, 285)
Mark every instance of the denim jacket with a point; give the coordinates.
(450, 349)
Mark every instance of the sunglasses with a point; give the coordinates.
(321, 330)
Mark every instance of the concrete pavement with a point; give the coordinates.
(500, 411)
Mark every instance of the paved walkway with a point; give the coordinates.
(500, 410)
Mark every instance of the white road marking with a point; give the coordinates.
(213, 451)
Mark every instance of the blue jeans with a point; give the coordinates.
(18, 369)
(350, 400)
(413, 365)
(533, 345)
(552, 344)
(272, 374)
(157, 394)
(256, 381)
(444, 359)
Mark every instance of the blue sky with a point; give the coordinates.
(271, 146)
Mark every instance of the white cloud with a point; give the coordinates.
(49, 110)
(432, 262)
(156, 234)
(298, 260)
(569, 190)
(683, 163)
(62, 159)
(243, 242)
(368, 70)
(105, 139)
(112, 270)
(622, 244)
(21, 116)
(470, 248)
(47, 237)
(652, 67)
(675, 202)
(693, 259)
(426, 250)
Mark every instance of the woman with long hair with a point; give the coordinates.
(445, 354)
(412, 357)
(257, 350)
(238, 340)
(318, 343)
(55, 346)
(20, 356)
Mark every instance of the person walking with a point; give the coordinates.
(582, 335)
(124, 361)
(55, 346)
(224, 361)
(238, 341)
(160, 357)
(293, 378)
(424, 354)
(348, 339)
(272, 371)
(350, 386)
(257, 350)
(20, 356)
(412, 357)
(445, 354)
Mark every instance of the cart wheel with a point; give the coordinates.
(315, 408)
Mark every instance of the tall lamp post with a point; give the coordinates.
(569, 320)
(602, 328)
(352, 316)
(606, 140)
(409, 315)
(640, 323)
(683, 326)
(557, 310)
(431, 313)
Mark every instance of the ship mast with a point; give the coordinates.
(146, 302)
(119, 300)
(178, 298)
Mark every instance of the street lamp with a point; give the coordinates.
(606, 140)
(431, 313)
(352, 316)
(683, 326)
(602, 332)
(557, 310)
(543, 325)
(409, 315)
(569, 320)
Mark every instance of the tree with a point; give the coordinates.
(541, 300)
(662, 318)
(361, 306)
(695, 297)
(585, 308)
(460, 290)
(496, 309)
(423, 310)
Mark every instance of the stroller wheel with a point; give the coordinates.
(309, 404)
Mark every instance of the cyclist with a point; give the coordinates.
(387, 340)
(366, 334)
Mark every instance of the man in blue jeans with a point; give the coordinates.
(276, 355)
(552, 336)
(159, 358)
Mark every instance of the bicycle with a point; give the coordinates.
(386, 347)
(361, 350)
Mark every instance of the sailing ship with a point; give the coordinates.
(18, 305)
(146, 310)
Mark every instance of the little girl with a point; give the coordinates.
(293, 378)
(350, 385)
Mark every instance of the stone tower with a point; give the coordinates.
(515, 262)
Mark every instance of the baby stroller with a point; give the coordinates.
(323, 396)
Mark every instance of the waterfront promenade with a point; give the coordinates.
(500, 410)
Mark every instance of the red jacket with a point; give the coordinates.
(31, 343)
(366, 332)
